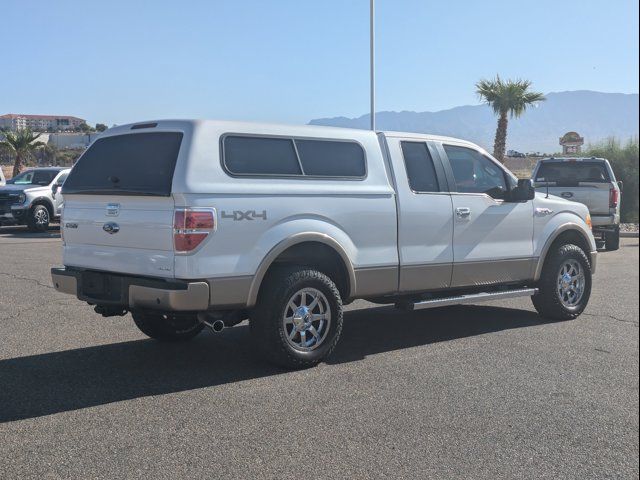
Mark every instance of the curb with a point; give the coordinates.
(628, 234)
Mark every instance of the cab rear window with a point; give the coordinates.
(568, 174)
(132, 164)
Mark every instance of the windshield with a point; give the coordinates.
(34, 177)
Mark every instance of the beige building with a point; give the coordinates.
(39, 123)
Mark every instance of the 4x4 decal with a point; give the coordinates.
(238, 215)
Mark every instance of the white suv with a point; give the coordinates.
(193, 223)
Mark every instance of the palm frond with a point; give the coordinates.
(8, 145)
(22, 140)
(507, 97)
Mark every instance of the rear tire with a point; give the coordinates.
(38, 219)
(166, 327)
(612, 240)
(565, 284)
(297, 320)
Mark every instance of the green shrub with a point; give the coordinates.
(624, 160)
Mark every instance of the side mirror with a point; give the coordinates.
(620, 184)
(523, 192)
(54, 189)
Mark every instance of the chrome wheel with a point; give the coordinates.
(306, 319)
(41, 216)
(570, 283)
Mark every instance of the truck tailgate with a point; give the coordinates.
(125, 234)
(583, 181)
(594, 195)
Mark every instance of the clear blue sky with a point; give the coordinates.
(290, 61)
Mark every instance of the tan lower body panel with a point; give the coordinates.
(492, 272)
(373, 281)
(230, 291)
(376, 281)
(419, 278)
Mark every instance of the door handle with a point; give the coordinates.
(463, 212)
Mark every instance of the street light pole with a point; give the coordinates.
(372, 62)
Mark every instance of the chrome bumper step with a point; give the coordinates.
(470, 298)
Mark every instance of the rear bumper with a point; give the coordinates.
(131, 292)
(605, 221)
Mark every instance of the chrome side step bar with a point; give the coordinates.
(471, 298)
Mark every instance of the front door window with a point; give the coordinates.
(475, 173)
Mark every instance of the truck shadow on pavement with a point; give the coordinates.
(55, 382)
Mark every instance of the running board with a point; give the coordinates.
(471, 298)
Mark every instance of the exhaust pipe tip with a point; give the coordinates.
(217, 326)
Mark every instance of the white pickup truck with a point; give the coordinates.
(193, 223)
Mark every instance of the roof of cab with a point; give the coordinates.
(426, 137)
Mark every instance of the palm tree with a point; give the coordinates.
(21, 143)
(507, 98)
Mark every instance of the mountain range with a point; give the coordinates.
(594, 115)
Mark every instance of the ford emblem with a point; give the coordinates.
(111, 227)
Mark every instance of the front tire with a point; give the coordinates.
(297, 320)
(612, 240)
(565, 284)
(168, 327)
(38, 219)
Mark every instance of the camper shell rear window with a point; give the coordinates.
(130, 164)
(253, 155)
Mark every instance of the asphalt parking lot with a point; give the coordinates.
(487, 391)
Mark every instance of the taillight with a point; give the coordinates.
(191, 226)
(613, 197)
